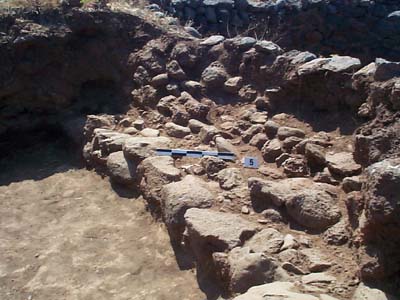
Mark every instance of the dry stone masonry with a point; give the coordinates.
(319, 217)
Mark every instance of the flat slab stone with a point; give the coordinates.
(274, 291)
(343, 164)
(224, 230)
(318, 278)
(213, 40)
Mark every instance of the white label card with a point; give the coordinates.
(250, 162)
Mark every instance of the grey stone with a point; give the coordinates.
(177, 197)
(275, 290)
(221, 231)
(271, 150)
(285, 132)
(120, 169)
(213, 40)
(230, 178)
(175, 130)
(268, 47)
(268, 241)
(214, 76)
(313, 209)
(342, 164)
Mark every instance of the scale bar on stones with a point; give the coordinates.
(195, 153)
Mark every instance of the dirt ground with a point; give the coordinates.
(70, 236)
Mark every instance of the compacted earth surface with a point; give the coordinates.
(90, 210)
(68, 235)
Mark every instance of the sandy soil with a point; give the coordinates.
(70, 236)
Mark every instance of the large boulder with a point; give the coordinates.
(155, 173)
(308, 203)
(138, 148)
(381, 222)
(268, 241)
(214, 76)
(285, 132)
(214, 231)
(108, 141)
(334, 64)
(241, 269)
(342, 164)
(120, 169)
(276, 290)
(364, 292)
(314, 209)
(271, 150)
(177, 197)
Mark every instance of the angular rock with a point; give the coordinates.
(315, 155)
(339, 234)
(268, 241)
(233, 85)
(212, 165)
(351, 184)
(248, 269)
(155, 173)
(289, 242)
(265, 192)
(166, 105)
(381, 223)
(317, 262)
(138, 148)
(180, 117)
(252, 131)
(109, 141)
(295, 167)
(207, 133)
(214, 75)
(258, 140)
(248, 93)
(196, 109)
(175, 71)
(224, 145)
(216, 230)
(177, 197)
(271, 129)
(230, 178)
(342, 164)
(259, 117)
(290, 142)
(271, 150)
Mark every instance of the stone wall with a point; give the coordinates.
(362, 28)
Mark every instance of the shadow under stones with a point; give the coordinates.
(322, 120)
(125, 191)
(36, 155)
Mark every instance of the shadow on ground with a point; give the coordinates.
(35, 155)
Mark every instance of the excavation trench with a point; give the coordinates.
(98, 80)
